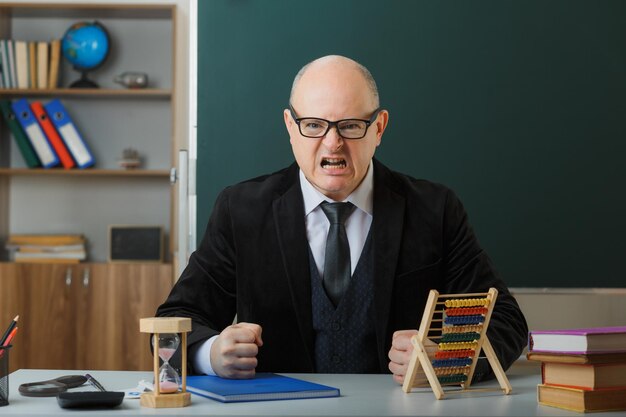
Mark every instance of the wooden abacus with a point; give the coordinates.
(450, 337)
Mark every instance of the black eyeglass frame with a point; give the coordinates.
(368, 123)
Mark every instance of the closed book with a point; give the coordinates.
(1, 72)
(11, 59)
(4, 57)
(578, 341)
(27, 151)
(52, 135)
(55, 59)
(67, 130)
(37, 138)
(581, 358)
(28, 256)
(41, 239)
(32, 60)
(582, 400)
(47, 261)
(45, 248)
(600, 376)
(264, 386)
(42, 64)
(21, 64)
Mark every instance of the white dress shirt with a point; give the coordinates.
(357, 225)
(317, 226)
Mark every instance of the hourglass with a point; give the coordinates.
(165, 341)
(168, 377)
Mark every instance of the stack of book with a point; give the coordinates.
(581, 369)
(47, 248)
(28, 64)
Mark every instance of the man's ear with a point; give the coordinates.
(381, 124)
(288, 120)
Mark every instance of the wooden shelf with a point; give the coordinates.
(87, 92)
(158, 173)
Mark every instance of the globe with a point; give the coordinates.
(86, 46)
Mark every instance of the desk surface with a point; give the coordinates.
(361, 395)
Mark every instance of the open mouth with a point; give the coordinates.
(333, 163)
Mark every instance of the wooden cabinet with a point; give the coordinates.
(83, 316)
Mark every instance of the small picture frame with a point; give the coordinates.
(135, 243)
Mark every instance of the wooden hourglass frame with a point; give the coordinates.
(451, 335)
(164, 325)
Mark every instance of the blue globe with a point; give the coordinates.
(85, 45)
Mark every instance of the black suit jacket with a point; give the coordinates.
(254, 261)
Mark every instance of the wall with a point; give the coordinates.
(517, 105)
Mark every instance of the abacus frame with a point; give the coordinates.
(422, 345)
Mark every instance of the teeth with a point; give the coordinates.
(333, 163)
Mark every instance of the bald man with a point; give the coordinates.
(263, 256)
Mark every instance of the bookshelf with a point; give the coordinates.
(110, 118)
(87, 201)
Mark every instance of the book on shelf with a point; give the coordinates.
(4, 56)
(52, 134)
(581, 400)
(11, 59)
(47, 261)
(55, 59)
(23, 143)
(46, 248)
(29, 64)
(584, 376)
(77, 255)
(21, 64)
(32, 59)
(35, 134)
(67, 129)
(579, 341)
(264, 386)
(46, 239)
(42, 64)
(1, 72)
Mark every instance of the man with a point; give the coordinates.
(314, 293)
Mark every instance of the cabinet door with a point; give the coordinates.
(11, 294)
(44, 300)
(112, 299)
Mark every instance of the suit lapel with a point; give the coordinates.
(387, 228)
(288, 211)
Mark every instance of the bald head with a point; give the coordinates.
(340, 68)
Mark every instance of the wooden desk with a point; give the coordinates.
(361, 395)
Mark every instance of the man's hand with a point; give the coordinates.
(400, 354)
(233, 354)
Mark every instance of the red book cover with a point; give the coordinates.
(52, 135)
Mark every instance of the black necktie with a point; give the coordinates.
(337, 269)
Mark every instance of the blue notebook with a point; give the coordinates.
(263, 387)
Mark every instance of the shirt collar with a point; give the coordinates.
(362, 197)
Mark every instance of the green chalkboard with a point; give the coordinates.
(519, 106)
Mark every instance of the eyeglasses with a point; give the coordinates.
(313, 127)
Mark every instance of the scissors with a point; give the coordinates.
(51, 387)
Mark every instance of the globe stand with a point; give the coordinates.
(84, 82)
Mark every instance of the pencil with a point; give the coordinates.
(10, 337)
(9, 330)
